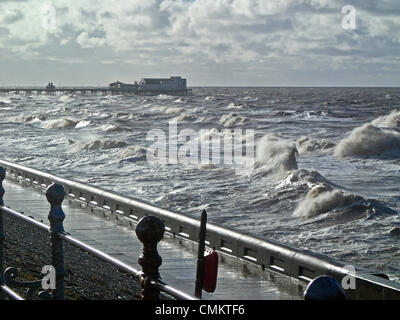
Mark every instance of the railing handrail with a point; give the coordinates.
(146, 206)
(176, 293)
(232, 235)
(291, 261)
(11, 293)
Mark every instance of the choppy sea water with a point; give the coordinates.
(326, 175)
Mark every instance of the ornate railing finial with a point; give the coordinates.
(55, 195)
(150, 230)
(2, 191)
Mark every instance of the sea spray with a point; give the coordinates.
(275, 153)
(132, 154)
(306, 144)
(391, 120)
(61, 123)
(378, 138)
(76, 146)
(370, 141)
(232, 119)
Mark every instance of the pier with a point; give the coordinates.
(62, 90)
(249, 268)
(87, 91)
(147, 86)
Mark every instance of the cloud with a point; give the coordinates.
(11, 17)
(236, 34)
(4, 32)
(87, 41)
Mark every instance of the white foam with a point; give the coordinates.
(61, 123)
(76, 146)
(65, 98)
(232, 119)
(234, 106)
(319, 201)
(172, 110)
(83, 124)
(108, 127)
(184, 117)
(276, 153)
(306, 144)
(29, 118)
(4, 100)
(132, 153)
(369, 141)
(391, 120)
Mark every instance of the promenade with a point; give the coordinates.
(237, 279)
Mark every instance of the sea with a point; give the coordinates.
(316, 168)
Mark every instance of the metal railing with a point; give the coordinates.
(149, 230)
(300, 264)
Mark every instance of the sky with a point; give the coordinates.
(209, 42)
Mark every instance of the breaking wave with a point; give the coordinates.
(323, 196)
(4, 101)
(370, 141)
(29, 118)
(306, 144)
(234, 106)
(321, 200)
(275, 154)
(132, 154)
(184, 117)
(108, 127)
(232, 119)
(76, 146)
(170, 110)
(391, 120)
(66, 98)
(179, 100)
(83, 124)
(65, 123)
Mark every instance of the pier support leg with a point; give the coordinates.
(150, 230)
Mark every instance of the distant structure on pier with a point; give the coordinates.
(50, 86)
(172, 85)
(146, 86)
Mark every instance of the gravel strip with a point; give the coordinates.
(88, 278)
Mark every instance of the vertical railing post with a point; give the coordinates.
(150, 230)
(200, 256)
(55, 195)
(2, 236)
